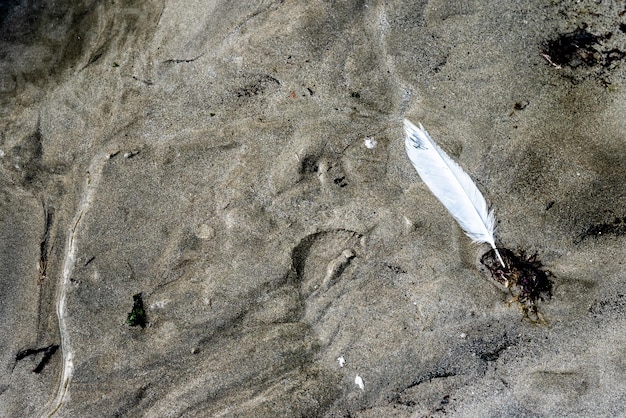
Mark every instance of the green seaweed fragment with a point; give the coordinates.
(138, 315)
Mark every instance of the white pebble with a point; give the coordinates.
(370, 143)
(359, 382)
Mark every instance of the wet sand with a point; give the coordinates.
(243, 169)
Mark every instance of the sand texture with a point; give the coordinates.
(241, 167)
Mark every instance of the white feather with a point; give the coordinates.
(451, 185)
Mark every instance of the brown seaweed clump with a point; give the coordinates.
(523, 276)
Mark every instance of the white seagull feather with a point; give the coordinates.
(451, 185)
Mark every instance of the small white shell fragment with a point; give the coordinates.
(359, 382)
(370, 143)
(341, 361)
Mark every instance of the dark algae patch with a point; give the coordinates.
(573, 49)
(616, 227)
(581, 54)
(524, 277)
(138, 315)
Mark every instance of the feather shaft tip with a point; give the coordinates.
(499, 258)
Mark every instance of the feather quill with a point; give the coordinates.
(451, 185)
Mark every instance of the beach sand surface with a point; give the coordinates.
(240, 169)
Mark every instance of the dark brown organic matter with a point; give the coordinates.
(584, 54)
(573, 48)
(523, 276)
